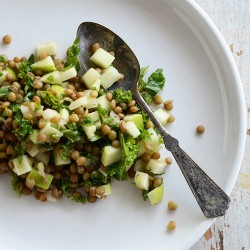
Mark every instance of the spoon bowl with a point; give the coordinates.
(212, 200)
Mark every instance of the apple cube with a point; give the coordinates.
(52, 78)
(90, 77)
(110, 155)
(102, 58)
(141, 180)
(109, 77)
(68, 73)
(46, 64)
(22, 165)
(131, 129)
(136, 119)
(156, 166)
(156, 195)
(49, 49)
(162, 116)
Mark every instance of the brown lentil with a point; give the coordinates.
(81, 160)
(75, 154)
(94, 93)
(150, 124)
(172, 205)
(95, 46)
(7, 39)
(109, 96)
(146, 157)
(74, 118)
(116, 143)
(157, 182)
(105, 129)
(168, 105)
(41, 138)
(155, 155)
(131, 103)
(112, 135)
(171, 119)
(157, 99)
(168, 160)
(171, 225)
(100, 191)
(118, 109)
(92, 191)
(113, 104)
(133, 109)
(43, 197)
(200, 129)
(74, 178)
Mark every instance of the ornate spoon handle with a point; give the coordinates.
(212, 200)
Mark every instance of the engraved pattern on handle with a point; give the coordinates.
(212, 200)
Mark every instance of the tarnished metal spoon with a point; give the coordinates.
(212, 200)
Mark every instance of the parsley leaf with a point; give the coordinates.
(25, 66)
(154, 84)
(129, 152)
(4, 90)
(24, 126)
(72, 53)
(122, 96)
(103, 114)
(50, 100)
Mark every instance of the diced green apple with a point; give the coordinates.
(33, 151)
(4, 74)
(136, 119)
(102, 100)
(68, 73)
(162, 116)
(49, 114)
(116, 120)
(109, 77)
(102, 58)
(131, 129)
(86, 101)
(95, 117)
(49, 49)
(40, 181)
(22, 165)
(90, 77)
(141, 180)
(156, 195)
(53, 77)
(153, 142)
(89, 130)
(51, 131)
(59, 160)
(64, 116)
(33, 136)
(110, 155)
(156, 166)
(46, 65)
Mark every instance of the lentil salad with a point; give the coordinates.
(64, 136)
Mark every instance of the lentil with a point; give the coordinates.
(200, 129)
(7, 39)
(171, 225)
(172, 205)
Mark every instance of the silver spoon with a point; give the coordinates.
(212, 200)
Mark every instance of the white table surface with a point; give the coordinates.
(232, 231)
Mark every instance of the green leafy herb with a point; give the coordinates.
(24, 126)
(4, 90)
(88, 121)
(72, 53)
(50, 78)
(144, 135)
(2, 59)
(122, 96)
(19, 150)
(77, 198)
(129, 152)
(103, 114)
(16, 180)
(25, 66)
(144, 195)
(154, 84)
(28, 83)
(50, 100)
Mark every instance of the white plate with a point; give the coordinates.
(201, 79)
